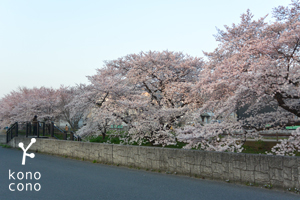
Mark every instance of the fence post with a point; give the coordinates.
(43, 128)
(7, 136)
(30, 129)
(11, 132)
(72, 136)
(17, 128)
(65, 135)
(38, 129)
(27, 127)
(52, 129)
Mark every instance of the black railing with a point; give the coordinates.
(64, 135)
(27, 129)
(58, 133)
(12, 132)
(74, 136)
(39, 130)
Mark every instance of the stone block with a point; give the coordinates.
(239, 157)
(247, 176)
(195, 170)
(207, 157)
(276, 174)
(289, 184)
(287, 173)
(289, 161)
(276, 183)
(263, 178)
(163, 158)
(263, 165)
(216, 157)
(295, 172)
(155, 165)
(226, 158)
(236, 175)
(206, 171)
(189, 157)
(252, 161)
(150, 153)
(275, 161)
(239, 161)
(217, 168)
(120, 154)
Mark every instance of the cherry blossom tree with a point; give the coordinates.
(162, 84)
(290, 146)
(98, 101)
(7, 104)
(23, 104)
(149, 92)
(255, 65)
(43, 103)
(65, 98)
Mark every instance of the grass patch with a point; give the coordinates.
(252, 184)
(5, 146)
(179, 145)
(145, 143)
(99, 139)
(258, 147)
(59, 135)
(252, 147)
(116, 140)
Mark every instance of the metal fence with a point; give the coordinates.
(12, 132)
(39, 130)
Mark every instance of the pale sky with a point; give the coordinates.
(60, 42)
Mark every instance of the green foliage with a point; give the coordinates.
(258, 147)
(144, 142)
(179, 145)
(253, 147)
(116, 140)
(59, 135)
(5, 146)
(98, 139)
(268, 186)
(108, 139)
(115, 132)
(21, 132)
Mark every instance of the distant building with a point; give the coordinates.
(242, 111)
(206, 117)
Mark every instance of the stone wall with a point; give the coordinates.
(279, 171)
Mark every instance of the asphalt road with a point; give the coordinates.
(63, 178)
